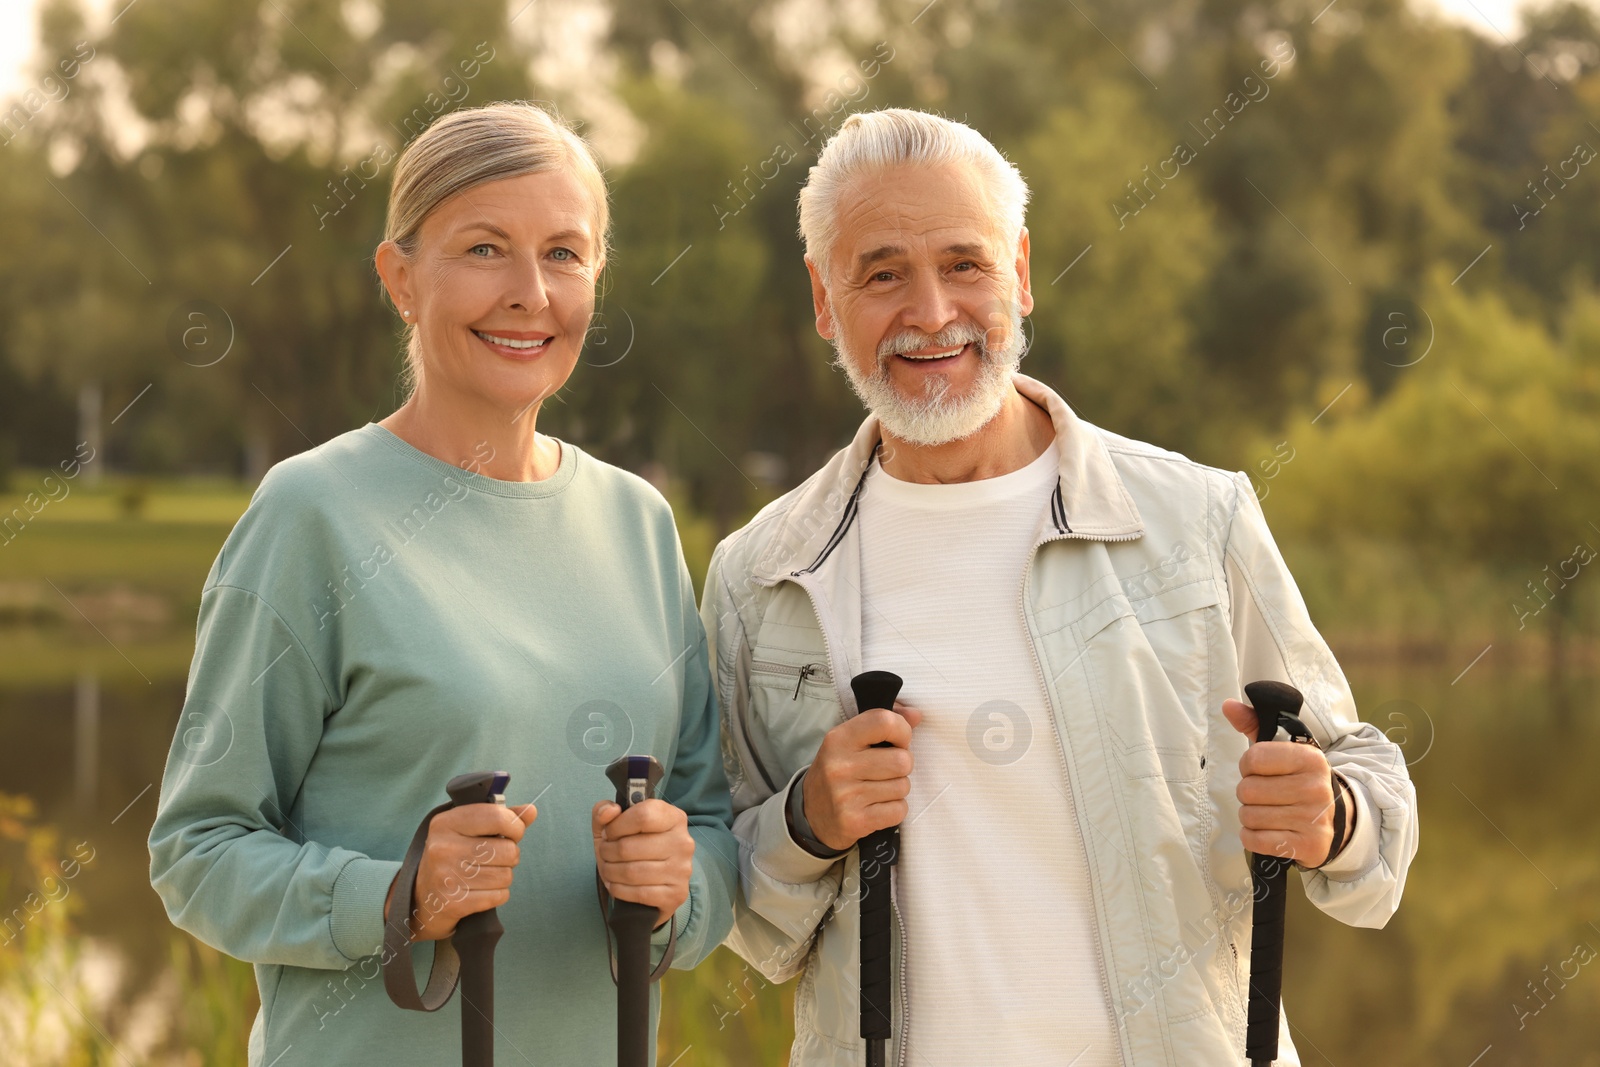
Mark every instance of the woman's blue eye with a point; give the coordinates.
(564, 253)
(474, 248)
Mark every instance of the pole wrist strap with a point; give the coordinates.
(398, 977)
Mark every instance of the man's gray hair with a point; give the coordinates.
(875, 140)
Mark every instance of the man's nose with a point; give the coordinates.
(929, 306)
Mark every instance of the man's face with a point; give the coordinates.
(924, 300)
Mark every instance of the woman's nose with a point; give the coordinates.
(527, 289)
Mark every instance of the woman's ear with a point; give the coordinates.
(395, 270)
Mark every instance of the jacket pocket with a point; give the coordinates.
(1180, 627)
(793, 703)
(1148, 662)
(814, 672)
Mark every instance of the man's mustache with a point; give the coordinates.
(957, 333)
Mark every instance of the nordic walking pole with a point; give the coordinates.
(636, 778)
(880, 850)
(476, 935)
(1277, 708)
(468, 953)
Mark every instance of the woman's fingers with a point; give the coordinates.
(636, 847)
(672, 871)
(484, 820)
(645, 854)
(651, 816)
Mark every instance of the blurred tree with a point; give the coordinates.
(1113, 298)
(1483, 453)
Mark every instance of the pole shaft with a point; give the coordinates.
(474, 939)
(632, 922)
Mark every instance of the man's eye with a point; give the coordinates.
(966, 263)
(883, 276)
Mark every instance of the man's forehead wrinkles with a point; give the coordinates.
(918, 229)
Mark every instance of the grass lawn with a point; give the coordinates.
(108, 578)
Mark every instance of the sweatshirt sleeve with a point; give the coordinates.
(699, 786)
(226, 859)
(1275, 639)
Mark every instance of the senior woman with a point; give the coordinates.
(444, 591)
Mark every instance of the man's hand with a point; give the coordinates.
(466, 866)
(1285, 793)
(851, 788)
(644, 854)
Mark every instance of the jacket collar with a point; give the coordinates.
(1095, 503)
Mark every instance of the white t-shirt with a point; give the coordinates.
(1002, 964)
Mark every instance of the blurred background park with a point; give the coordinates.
(1370, 280)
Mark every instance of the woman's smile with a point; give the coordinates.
(516, 344)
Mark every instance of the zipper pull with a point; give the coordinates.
(806, 671)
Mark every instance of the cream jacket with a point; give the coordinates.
(1154, 592)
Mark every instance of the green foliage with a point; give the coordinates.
(1482, 456)
(1140, 275)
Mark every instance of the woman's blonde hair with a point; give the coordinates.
(469, 147)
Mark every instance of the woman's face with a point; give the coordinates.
(502, 288)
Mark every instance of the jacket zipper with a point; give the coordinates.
(805, 671)
(1066, 769)
(905, 998)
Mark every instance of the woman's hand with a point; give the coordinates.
(644, 854)
(466, 866)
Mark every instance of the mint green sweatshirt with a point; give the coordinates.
(378, 622)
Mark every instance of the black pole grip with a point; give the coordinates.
(880, 851)
(636, 778)
(477, 934)
(1276, 705)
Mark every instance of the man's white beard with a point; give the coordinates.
(936, 417)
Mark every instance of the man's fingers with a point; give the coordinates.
(1241, 717)
(1283, 757)
(1275, 843)
(880, 816)
(1297, 818)
(911, 715)
(1284, 789)
(883, 764)
(877, 725)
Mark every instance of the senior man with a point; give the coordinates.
(1073, 613)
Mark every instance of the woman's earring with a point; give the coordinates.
(407, 314)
